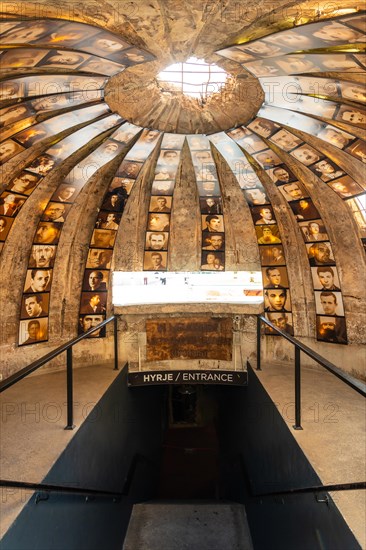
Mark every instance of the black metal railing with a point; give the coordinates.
(16, 377)
(351, 381)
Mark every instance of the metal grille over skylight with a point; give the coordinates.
(194, 78)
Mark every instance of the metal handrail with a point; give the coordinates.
(47, 487)
(22, 373)
(348, 379)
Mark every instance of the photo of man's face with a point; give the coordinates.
(43, 255)
(276, 299)
(156, 241)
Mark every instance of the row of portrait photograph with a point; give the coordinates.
(311, 36)
(73, 35)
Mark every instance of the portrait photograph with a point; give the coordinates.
(352, 115)
(129, 169)
(263, 127)
(150, 136)
(160, 204)
(32, 135)
(213, 241)
(304, 209)
(64, 59)
(285, 140)
(201, 158)
(37, 280)
(293, 191)
(96, 280)
(42, 165)
(42, 255)
(331, 329)
(56, 212)
(197, 143)
(99, 258)
(102, 66)
(263, 68)
(267, 234)
(256, 196)
(29, 31)
(169, 157)
(329, 302)
(275, 277)
(165, 172)
(11, 89)
(260, 48)
(104, 45)
(252, 143)
(211, 205)
(12, 114)
(212, 223)
(91, 320)
(338, 63)
(213, 261)
(156, 240)
(35, 305)
(235, 54)
(272, 255)
(108, 220)
(306, 155)
(283, 321)
(134, 56)
(5, 225)
(208, 188)
(207, 172)
(103, 238)
(155, 261)
(173, 141)
(346, 187)
(325, 278)
(33, 331)
(326, 170)
(126, 133)
(158, 222)
(48, 233)
(281, 174)
(263, 215)
(8, 150)
(123, 185)
(11, 203)
(356, 21)
(114, 201)
(24, 183)
(267, 159)
(162, 187)
(93, 302)
(353, 91)
(320, 254)
(277, 300)
(336, 137)
(69, 34)
(20, 58)
(295, 64)
(65, 193)
(313, 231)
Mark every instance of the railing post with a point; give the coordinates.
(259, 324)
(115, 330)
(70, 408)
(297, 425)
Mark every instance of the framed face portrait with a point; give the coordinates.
(306, 155)
(11, 203)
(102, 66)
(304, 209)
(37, 280)
(293, 191)
(89, 321)
(336, 137)
(351, 115)
(235, 54)
(197, 143)
(169, 157)
(260, 48)
(211, 205)
(356, 21)
(12, 114)
(213, 241)
(35, 305)
(268, 234)
(33, 331)
(320, 254)
(277, 300)
(201, 158)
(286, 140)
(173, 141)
(206, 172)
(93, 302)
(156, 240)
(331, 329)
(162, 187)
(160, 204)
(326, 170)
(208, 188)
(42, 165)
(155, 261)
(263, 127)
(129, 169)
(134, 56)
(103, 238)
(272, 255)
(313, 231)
(29, 31)
(123, 185)
(5, 225)
(108, 220)
(267, 159)
(48, 233)
(296, 64)
(158, 222)
(212, 223)
(10, 89)
(96, 280)
(70, 34)
(325, 278)
(358, 150)
(275, 277)
(346, 187)
(282, 320)
(353, 91)
(333, 32)
(21, 57)
(263, 215)
(99, 258)
(281, 174)
(165, 172)
(8, 150)
(329, 302)
(104, 45)
(64, 58)
(263, 68)
(213, 261)
(64, 193)
(42, 255)
(56, 212)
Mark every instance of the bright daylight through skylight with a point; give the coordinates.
(195, 78)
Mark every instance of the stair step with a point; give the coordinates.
(188, 526)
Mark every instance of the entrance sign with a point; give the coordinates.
(150, 378)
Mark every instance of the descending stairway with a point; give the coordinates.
(188, 526)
